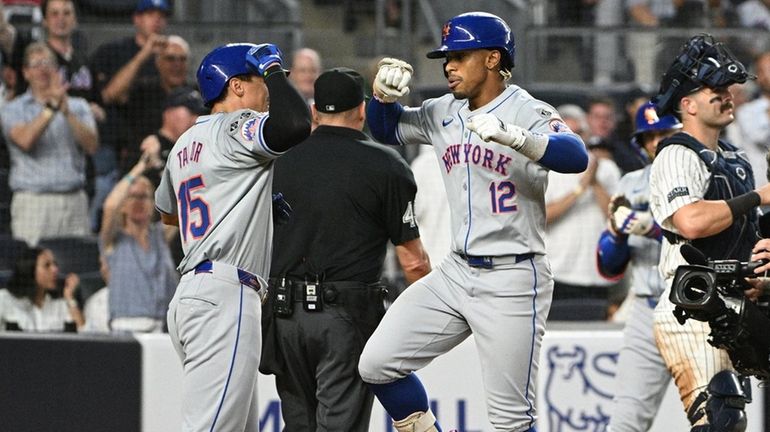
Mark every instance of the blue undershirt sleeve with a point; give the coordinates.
(612, 255)
(382, 119)
(565, 153)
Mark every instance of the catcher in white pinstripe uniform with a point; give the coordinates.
(702, 193)
(634, 238)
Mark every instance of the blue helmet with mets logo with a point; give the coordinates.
(647, 120)
(475, 30)
(219, 66)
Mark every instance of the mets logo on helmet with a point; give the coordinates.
(651, 116)
(445, 31)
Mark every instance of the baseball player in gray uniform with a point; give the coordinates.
(634, 238)
(217, 189)
(495, 145)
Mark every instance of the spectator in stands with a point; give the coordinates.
(36, 298)
(576, 206)
(145, 107)
(142, 274)
(305, 68)
(96, 310)
(602, 121)
(755, 14)
(753, 120)
(48, 135)
(180, 110)
(60, 24)
(575, 118)
(8, 76)
(116, 67)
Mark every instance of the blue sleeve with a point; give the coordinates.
(382, 119)
(612, 255)
(565, 153)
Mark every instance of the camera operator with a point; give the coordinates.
(702, 192)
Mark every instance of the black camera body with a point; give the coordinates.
(714, 293)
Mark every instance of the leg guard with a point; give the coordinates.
(725, 399)
(417, 422)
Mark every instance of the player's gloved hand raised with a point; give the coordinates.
(633, 222)
(262, 57)
(491, 128)
(392, 80)
(281, 209)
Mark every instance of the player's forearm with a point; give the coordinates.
(382, 119)
(702, 219)
(413, 260)
(289, 120)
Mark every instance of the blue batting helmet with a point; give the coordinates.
(219, 66)
(474, 30)
(647, 120)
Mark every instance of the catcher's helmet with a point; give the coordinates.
(219, 66)
(647, 120)
(474, 30)
(702, 62)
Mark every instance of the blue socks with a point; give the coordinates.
(403, 397)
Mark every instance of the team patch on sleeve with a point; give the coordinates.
(677, 192)
(249, 129)
(558, 125)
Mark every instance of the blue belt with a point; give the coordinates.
(489, 262)
(245, 277)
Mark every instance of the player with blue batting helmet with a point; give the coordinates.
(475, 30)
(231, 60)
(650, 128)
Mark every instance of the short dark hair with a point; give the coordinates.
(22, 282)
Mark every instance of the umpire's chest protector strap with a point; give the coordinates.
(731, 176)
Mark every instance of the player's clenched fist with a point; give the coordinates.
(392, 80)
(491, 128)
(261, 57)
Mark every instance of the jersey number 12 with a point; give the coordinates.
(503, 196)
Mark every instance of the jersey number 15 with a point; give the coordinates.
(189, 204)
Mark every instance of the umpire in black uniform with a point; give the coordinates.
(350, 196)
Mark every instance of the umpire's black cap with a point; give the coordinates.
(338, 90)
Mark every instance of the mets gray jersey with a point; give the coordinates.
(645, 251)
(218, 181)
(497, 284)
(642, 376)
(495, 194)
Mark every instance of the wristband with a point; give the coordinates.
(742, 204)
